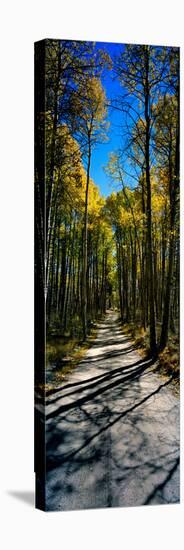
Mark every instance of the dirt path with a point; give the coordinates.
(112, 430)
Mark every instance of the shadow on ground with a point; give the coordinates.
(112, 431)
(28, 497)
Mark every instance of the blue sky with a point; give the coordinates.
(100, 155)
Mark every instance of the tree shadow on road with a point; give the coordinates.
(100, 423)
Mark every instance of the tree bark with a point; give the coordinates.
(149, 212)
(85, 247)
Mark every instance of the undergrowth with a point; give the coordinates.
(168, 360)
(64, 353)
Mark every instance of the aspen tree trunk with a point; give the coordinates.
(54, 130)
(51, 266)
(105, 285)
(143, 268)
(63, 273)
(149, 213)
(78, 282)
(174, 188)
(70, 260)
(163, 254)
(57, 268)
(166, 311)
(85, 247)
(97, 285)
(167, 299)
(119, 266)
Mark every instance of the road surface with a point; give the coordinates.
(112, 430)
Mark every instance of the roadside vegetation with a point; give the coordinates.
(168, 360)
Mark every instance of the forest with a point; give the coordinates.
(121, 250)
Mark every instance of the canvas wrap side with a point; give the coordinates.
(39, 273)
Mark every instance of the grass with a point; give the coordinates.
(168, 360)
(63, 354)
(169, 357)
(139, 336)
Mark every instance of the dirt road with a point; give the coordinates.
(112, 430)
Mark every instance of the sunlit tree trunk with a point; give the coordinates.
(148, 209)
(85, 245)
